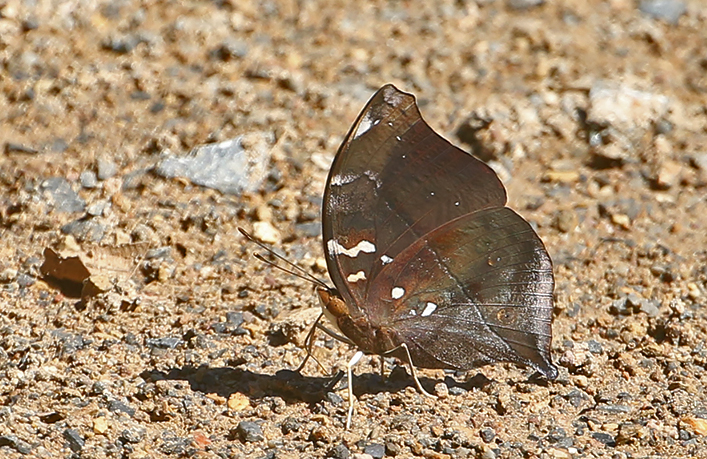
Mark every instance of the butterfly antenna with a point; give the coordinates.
(296, 270)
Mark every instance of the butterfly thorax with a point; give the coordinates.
(369, 338)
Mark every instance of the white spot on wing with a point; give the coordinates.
(385, 259)
(393, 98)
(365, 124)
(373, 177)
(337, 249)
(356, 277)
(397, 293)
(343, 179)
(429, 309)
(413, 312)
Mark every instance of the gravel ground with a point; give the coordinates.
(180, 344)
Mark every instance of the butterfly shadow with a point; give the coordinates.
(294, 387)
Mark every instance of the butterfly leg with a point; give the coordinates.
(349, 373)
(308, 342)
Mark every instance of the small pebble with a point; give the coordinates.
(375, 450)
(340, 451)
(88, 179)
(265, 232)
(105, 168)
(249, 432)
(238, 402)
(668, 175)
(487, 434)
(666, 10)
(441, 390)
(100, 425)
(74, 440)
(118, 406)
(134, 435)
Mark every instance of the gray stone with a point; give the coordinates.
(105, 168)
(666, 10)
(74, 439)
(375, 450)
(85, 229)
(63, 197)
(624, 107)
(88, 179)
(226, 166)
(249, 432)
(523, 4)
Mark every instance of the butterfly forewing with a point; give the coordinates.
(393, 180)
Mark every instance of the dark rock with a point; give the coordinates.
(134, 435)
(70, 342)
(577, 398)
(118, 406)
(85, 229)
(604, 438)
(122, 45)
(174, 445)
(487, 434)
(619, 308)
(290, 425)
(74, 440)
(168, 342)
(11, 147)
(99, 387)
(249, 432)
(51, 418)
(266, 311)
(340, 451)
(15, 443)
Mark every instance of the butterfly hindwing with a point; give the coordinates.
(485, 296)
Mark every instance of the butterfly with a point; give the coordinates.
(428, 263)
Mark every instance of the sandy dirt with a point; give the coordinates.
(593, 113)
